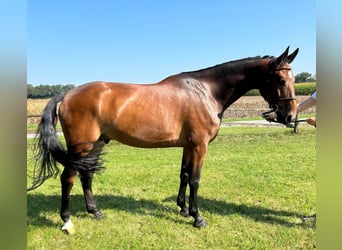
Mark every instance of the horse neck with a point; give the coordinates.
(229, 81)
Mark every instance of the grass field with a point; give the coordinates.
(256, 184)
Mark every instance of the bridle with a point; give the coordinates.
(281, 68)
(275, 107)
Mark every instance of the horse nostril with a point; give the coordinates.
(289, 118)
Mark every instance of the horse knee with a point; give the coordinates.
(184, 177)
(194, 184)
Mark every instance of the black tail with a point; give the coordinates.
(49, 150)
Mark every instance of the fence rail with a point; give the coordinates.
(229, 113)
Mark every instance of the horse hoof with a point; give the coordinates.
(68, 227)
(200, 223)
(184, 212)
(98, 215)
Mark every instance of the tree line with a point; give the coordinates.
(48, 91)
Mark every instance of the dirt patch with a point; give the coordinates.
(253, 106)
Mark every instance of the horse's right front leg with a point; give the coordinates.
(184, 181)
(67, 182)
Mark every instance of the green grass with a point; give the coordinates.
(256, 184)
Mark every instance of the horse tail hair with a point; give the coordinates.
(48, 149)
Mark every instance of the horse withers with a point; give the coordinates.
(183, 110)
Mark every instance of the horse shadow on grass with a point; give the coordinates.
(254, 212)
(38, 205)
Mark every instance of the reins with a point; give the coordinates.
(295, 121)
(264, 115)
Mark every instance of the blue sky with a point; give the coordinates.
(77, 41)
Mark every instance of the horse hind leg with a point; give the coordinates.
(91, 163)
(67, 182)
(86, 180)
(86, 163)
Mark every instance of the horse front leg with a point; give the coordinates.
(198, 158)
(86, 180)
(67, 182)
(184, 180)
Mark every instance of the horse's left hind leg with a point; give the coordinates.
(86, 156)
(67, 182)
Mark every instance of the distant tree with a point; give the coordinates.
(30, 90)
(305, 77)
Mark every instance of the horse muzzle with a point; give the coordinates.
(269, 115)
(277, 116)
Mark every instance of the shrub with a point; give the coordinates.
(305, 88)
(300, 88)
(253, 92)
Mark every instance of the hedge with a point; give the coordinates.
(305, 88)
(300, 88)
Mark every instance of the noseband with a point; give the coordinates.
(283, 68)
(275, 108)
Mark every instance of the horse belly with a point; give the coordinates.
(146, 130)
(145, 137)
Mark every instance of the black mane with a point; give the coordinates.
(224, 67)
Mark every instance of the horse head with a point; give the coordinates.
(279, 90)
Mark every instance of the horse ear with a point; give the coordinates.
(283, 57)
(291, 57)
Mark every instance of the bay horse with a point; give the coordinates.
(183, 110)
